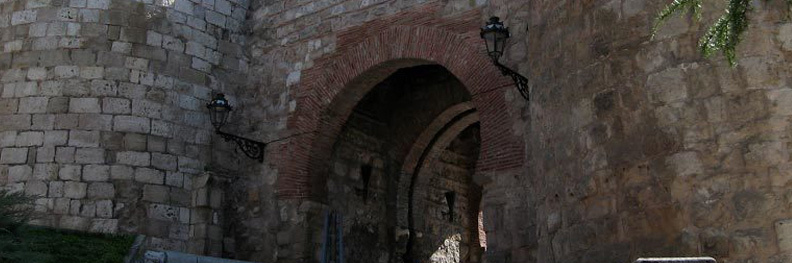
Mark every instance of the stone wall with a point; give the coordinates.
(449, 232)
(630, 146)
(636, 146)
(641, 147)
(102, 109)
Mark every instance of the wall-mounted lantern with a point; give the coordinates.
(219, 109)
(495, 36)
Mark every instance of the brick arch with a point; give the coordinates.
(335, 84)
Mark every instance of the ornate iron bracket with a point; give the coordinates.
(519, 80)
(251, 148)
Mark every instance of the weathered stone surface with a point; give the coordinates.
(101, 190)
(149, 176)
(97, 173)
(131, 124)
(13, 155)
(84, 138)
(74, 190)
(84, 105)
(156, 193)
(134, 158)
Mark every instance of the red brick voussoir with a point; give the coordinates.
(336, 83)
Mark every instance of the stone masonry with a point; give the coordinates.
(631, 146)
(101, 109)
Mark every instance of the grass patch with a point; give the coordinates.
(45, 245)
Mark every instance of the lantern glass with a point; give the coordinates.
(219, 110)
(495, 35)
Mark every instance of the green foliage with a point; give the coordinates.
(42, 245)
(727, 31)
(724, 35)
(674, 7)
(15, 210)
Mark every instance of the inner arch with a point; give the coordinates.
(366, 170)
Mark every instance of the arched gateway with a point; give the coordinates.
(334, 85)
(333, 88)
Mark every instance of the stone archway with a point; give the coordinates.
(330, 90)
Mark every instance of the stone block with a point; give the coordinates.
(74, 223)
(74, 207)
(131, 124)
(223, 7)
(64, 154)
(75, 190)
(104, 208)
(149, 176)
(163, 212)
(36, 188)
(189, 165)
(95, 122)
(23, 17)
(201, 65)
(45, 154)
(37, 30)
(135, 142)
(46, 172)
(116, 106)
(667, 86)
(61, 204)
(67, 121)
(184, 6)
(70, 172)
(174, 179)
(92, 72)
(98, 4)
(133, 158)
(13, 155)
(161, 128)
(781, 101)
(84, 138)
(172, 43)
(156, 193)
(19, 173)
(15, 122)
(146, 108)
(36, 73)
(136, 63)
(9, 106)
(99, 190)
(27, 139)
(141, 77)
(84, 105)
(104, 87)
(88, 209)
(33, 105)
(7, 138)
(164, 161)
(65, 72)
(56, 190)
(121, 172)
(89, 155)
(43, 122)
(153, 38)
(58, 104)
(215, 18)
(96, 173)
(156, 144)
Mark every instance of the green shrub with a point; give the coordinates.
(45, 245)
(20, 243)
(15, 210)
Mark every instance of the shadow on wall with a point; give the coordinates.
(366, 168)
